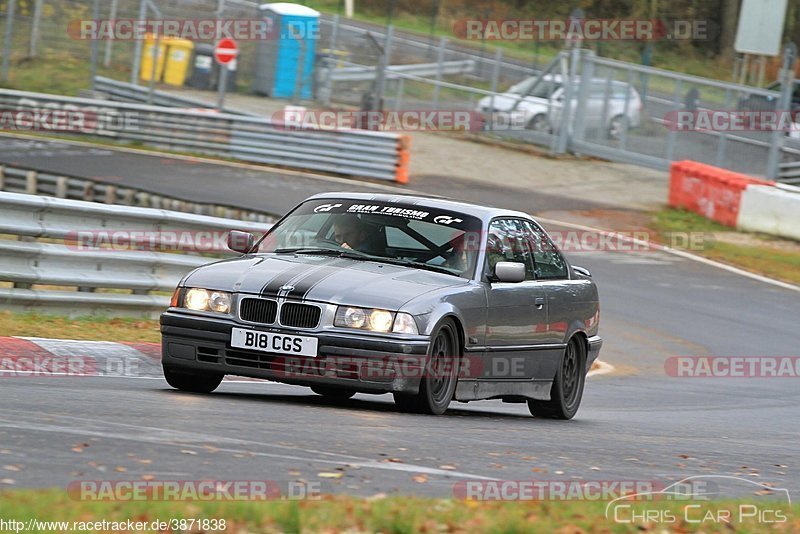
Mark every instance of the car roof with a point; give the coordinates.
(484, 213)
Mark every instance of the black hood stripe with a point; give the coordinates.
(305, 285)
(272, 288)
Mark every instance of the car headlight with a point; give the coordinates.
(197, 299)
(374, 320)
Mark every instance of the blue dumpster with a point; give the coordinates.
(285, 59)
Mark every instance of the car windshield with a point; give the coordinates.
(404, 234)
(543, 89)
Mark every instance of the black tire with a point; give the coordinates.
(192, 382)
(539, 123)
(567, 389)
(615, 127)
(333, 392)
(440, 377)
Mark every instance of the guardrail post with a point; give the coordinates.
(111, 195)
(2, 177)
(62, 183)
(88, 192)
(128, 197)
(31, 182)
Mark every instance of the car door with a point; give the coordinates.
(565, 297)
(517, 312)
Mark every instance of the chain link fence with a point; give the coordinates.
(621, 112)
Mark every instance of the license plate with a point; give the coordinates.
(277, 343)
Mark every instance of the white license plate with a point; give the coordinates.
(278, 343)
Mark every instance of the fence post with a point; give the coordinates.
(137, 53)
(380, 80)
(12, 7)
(439, 71)
(787, 86)
(563, 135)
(498, 60)
(673, 132)
(95, 46)
(33, 49)
(583, 95)
(112, 15)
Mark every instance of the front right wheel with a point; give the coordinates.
(440, 376)
(567, 389)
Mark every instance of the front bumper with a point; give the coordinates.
(595, 343)
(362, 362)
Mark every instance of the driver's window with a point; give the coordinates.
(506, 242)
(549, 263)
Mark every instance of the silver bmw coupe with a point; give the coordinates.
(428, 299)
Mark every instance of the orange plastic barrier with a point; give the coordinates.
(403, 157)
(710, 191)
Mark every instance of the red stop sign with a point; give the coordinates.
(226, 51)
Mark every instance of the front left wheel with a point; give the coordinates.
(192, 382)
(440, 376)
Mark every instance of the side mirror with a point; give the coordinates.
(509, 272)
(240, 241)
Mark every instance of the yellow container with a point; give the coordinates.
(179, 56)
(148, 56)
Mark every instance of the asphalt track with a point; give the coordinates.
(636, 424)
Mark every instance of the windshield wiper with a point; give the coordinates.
(417, 265)
(308, 250)
(363, 256)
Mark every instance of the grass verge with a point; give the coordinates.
(83, 328)
(391, 515)
(762, 254)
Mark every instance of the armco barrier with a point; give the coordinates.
(710, 191)
(356, 153)
(56, 242)
(771, 210)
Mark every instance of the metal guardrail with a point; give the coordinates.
(359, 153)
(362, 73)
(127, 92)
(32, 182)
(86, 249)
(789, 172)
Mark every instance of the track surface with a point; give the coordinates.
(637, 425)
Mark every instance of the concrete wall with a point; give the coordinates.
(770, 210)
